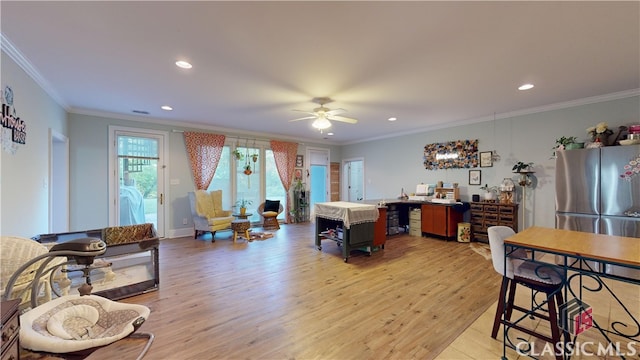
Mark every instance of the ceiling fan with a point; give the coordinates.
(322, 115)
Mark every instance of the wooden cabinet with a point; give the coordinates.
(486, 214)
(10, 330)
(380, 228)
(441, 220)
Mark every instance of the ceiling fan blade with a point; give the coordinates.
(304, 118)
(343, 119)
(336, 112)
(304, 111)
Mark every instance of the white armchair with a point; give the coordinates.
(17, 251)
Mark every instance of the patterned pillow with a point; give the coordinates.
(272, 205)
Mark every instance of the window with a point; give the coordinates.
(274, 188)
(231, 170)
(222, 178)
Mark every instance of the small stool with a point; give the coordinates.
(240, 226)
(270, 221)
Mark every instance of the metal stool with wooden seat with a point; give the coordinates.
(267, 211)
(240, 226)
(538, 277)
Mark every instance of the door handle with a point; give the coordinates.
(161, 199)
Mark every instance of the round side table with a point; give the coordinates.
(242, 216)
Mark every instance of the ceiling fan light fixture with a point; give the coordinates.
(321, 123)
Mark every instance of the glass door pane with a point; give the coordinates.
(319, 184)
(138, 174)
(222, 179)
(248, 173)
(274, 188)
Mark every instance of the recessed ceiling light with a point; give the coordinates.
(183, 64)
(330, 134)
(392, 119)
(526, 87)
(166, 107)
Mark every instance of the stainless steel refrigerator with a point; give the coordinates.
(598, 191)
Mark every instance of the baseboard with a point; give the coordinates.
(176, 233)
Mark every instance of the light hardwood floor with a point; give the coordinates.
(281, 298)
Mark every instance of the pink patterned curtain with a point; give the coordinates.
(204, 150)
(285, 157)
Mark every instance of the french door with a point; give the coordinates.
(138, 172)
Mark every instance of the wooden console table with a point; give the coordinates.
(10, 330)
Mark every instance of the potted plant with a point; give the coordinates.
(242, 204)
(524, 169)
(489, 192)
(254, 157)
(237, 154)
(566, 143)
(521, 167)
(247, 169)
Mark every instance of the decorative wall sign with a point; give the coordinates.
(451, 155)
(14, 129)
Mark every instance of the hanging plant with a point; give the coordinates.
(254, 157)
(247, 170)
(238, 155)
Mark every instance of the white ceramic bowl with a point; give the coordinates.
(630, 142)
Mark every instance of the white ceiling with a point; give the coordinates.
(430, 64)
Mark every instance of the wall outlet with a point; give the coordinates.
(185, 221)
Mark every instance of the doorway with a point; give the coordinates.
(137, 185)
(318, 176)
(353, 170)
(59, 182)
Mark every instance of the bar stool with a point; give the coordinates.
(535, 276)
(240, 226)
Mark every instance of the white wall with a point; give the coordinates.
(89, 179)
(390, 164)
(395, 163)
(24, 188)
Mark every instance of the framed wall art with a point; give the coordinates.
(451, 155)
(486, 159)
(299, 160)
(474, 177)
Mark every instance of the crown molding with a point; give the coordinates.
(31, 71)
(535, 110)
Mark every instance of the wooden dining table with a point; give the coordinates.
(571, 250)
(609, 249)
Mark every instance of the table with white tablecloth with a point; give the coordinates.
(350, 225)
